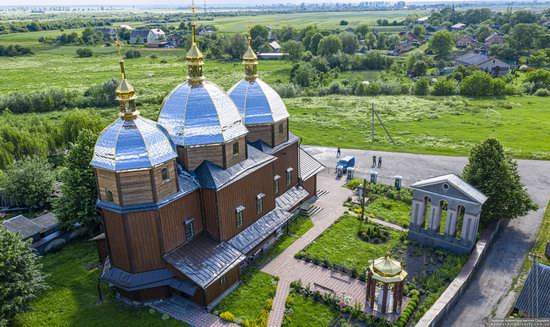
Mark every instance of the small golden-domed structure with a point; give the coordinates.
(385, 273)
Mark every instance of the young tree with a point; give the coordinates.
(21, 276)
(77, 120)
(420, 31)
(362, 29)
(442, 44)
(482, 33)
(477, 84)
(314, 43)
(370, 40)
(77, 204)
(420, 68)
(84, 52)
(28, 182)
(496, 175)
(444, 87)
(294, 49)
(234, 46)
(421, 87)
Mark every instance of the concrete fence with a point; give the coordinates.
(451, 295)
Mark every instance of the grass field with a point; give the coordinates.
(341, 245)
(73, 276)
(307, 312)
(392, 211)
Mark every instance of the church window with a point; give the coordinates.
(109, 195)
(260, 203)
(235, 148)
(239, 212)
(189, 231)
(165, 174)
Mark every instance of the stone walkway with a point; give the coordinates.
(387, 224)
(289, 269)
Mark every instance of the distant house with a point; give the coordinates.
(206, 30)
(410, 36)
(177, 39)
(488, 64)
(156, 36)
(139, 36)
(458, 27)
(108, 33)
(126, 27)
(275, 46)
(44, 231)
(403, 46)
(466, 41)
(534, 299)
(272, 55)
(494, 39)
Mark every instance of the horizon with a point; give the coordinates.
(212, 3)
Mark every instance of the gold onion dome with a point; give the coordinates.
(387, 269)
(198, 112)
(258, 103)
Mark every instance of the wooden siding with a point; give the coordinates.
(310, 185)
(231, 159)
(172, 217)
(135, 187)
(147, 294)
(286, 158)
(168, 187)
(243, 192)
(106, 180)
(260, 132)
(194, 156)
(217, 288)
(279, 138)
(210, 211)
(114, 232)
(145, 241)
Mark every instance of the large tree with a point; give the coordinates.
(350, 43)
(294, 49)
(442, 44)
(329, 45)
(28, 182)
(76, 207)
(21, 276)
(496, 175)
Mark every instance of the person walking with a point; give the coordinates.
(379, 161)
(338, 153)
(373, 161)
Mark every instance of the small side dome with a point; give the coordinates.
(131, 144)
(257, 102)
(200, 114)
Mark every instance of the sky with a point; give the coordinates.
(171, 2)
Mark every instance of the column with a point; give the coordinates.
(435, 217)
(372, 293)
(400, 294)
(450, 224)
(369, 285)
(416, 213)
(384, 298)
(395, 295)
(468, 225)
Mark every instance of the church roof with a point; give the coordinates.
(212, 176)
(130, 144)
(257, 102)
(22, 225)
(309, 166)
(534, 298)
(200, 114)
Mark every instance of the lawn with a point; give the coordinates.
(341, 245)
(252, 299)
(393, 211)
(73, 275)
(306, 312)
(434, 125)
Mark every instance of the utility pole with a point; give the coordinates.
(381, 123)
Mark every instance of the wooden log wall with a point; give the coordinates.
(172, 219)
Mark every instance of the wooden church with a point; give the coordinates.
(189, 200)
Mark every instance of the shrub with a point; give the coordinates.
(130, 54)
(289, 90)
(444, 87)
(421, 87)
(227, 316)
(542, 92)
(84, 52)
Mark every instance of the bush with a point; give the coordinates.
(14, 50)
(130, 54)
(477, 84)
(84, 52)
(444, 87)
(28, 183)
(421, 87)
(542, 92)
(227, 316)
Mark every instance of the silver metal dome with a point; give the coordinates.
(200, 114)
(257, 102)
(130, 144)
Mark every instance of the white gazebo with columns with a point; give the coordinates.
(462, 203)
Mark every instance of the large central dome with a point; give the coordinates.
(197, 114)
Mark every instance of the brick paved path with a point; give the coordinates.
(186, 311)
(288, 269)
